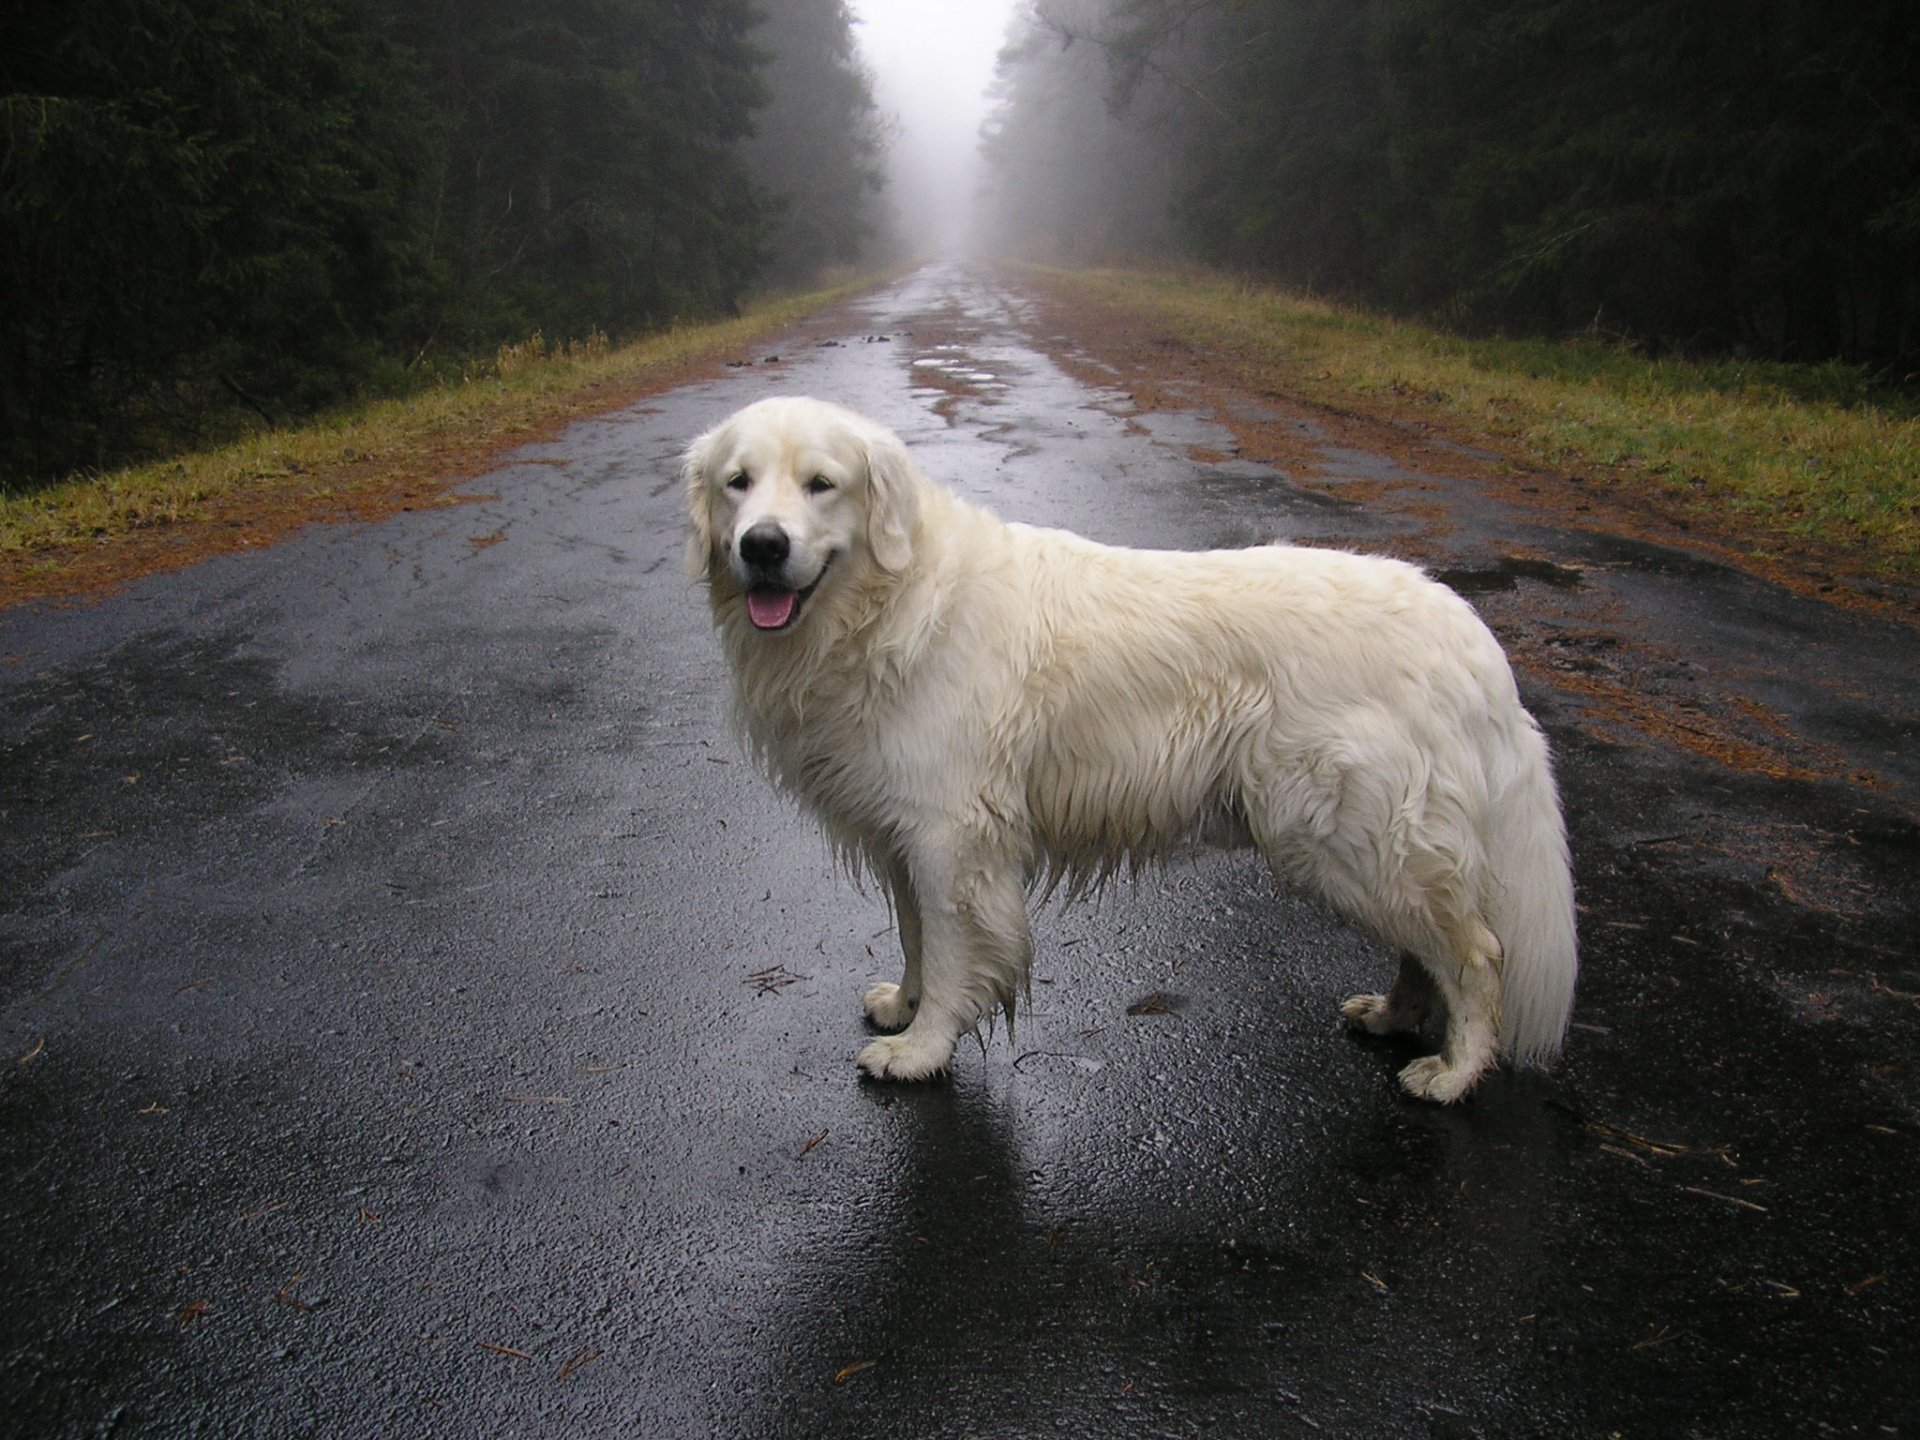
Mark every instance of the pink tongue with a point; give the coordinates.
(770, 609)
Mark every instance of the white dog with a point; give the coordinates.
(973, 708)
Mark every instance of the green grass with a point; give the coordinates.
(1786, 459)
(522, 390)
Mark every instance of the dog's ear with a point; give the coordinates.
(693, 474)
(893, 502)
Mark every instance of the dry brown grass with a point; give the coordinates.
(90, 531)
(1789, 458)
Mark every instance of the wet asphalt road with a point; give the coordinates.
(417, 1020)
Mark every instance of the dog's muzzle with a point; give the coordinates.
(773, 602)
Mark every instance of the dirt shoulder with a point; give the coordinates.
(1145, 357)
(354, 485)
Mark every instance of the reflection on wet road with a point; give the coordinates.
(418, 1019)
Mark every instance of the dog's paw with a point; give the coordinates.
(888, 1008)
(1432, 1078)
(1372, 1013)
(906, 1057)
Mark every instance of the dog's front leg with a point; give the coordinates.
(974, 946)
(890, 1007)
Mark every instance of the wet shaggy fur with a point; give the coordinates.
(974, 708)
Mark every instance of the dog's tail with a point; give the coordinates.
(1531, 904)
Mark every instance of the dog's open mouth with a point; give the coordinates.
(774, 607)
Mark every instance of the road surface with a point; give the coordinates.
(417, 1019)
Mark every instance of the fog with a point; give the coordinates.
(932, 62)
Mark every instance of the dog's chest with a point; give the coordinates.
(822, 743)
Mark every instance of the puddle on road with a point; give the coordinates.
(1506, 573)
(953, 369)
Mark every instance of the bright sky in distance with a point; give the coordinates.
(932, 61)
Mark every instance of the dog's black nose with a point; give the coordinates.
(765, 546)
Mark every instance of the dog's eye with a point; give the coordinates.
(819, 485)
(739, 481)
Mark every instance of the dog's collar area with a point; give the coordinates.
(774, 607)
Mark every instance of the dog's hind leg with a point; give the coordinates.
(975, 946)
(888, 1006)
(1368, 860)
(1403, 1009)
(1468, 983)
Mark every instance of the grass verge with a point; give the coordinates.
(90, 531)
(1789, 463)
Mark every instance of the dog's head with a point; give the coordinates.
(792, 496)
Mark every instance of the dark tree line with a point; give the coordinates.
(818, 145)
(1699, 174)
(207, 204)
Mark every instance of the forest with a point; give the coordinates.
(246, 210)
(1683, 175)
(218, 206)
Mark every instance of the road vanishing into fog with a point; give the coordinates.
(417, 1019)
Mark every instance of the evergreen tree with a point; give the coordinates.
(589, 171)
(193, 194)
(817, 147)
